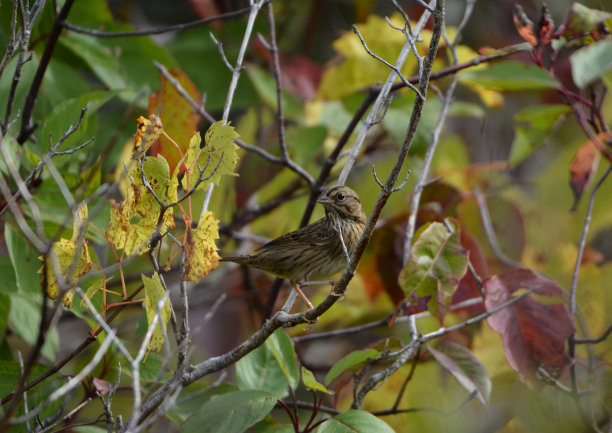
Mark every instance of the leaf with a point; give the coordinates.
(354, 360)
(533, 332)
(154, 292)
(5, 308)
(100, 59)
(591, 62)
(281, 347)
(260, 370)
(66, 114)
(511, 77)
(201, 255)
(23, 259)
(461, 363)
(218, 154)
(581, 20)
(584, 166)
(311, 382)
(148, 132)
(265, 85)
(355, 421)
(233, 412)
(436, 265)
(524, 25)
(533, 125)
(546, 26)
(71, 257)
(170, 104)
(24, 320)
(134, 220)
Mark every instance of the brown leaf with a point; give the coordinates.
(533, 332)
(582, 169)
(102, 386)
(524, 25)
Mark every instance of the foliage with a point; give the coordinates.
(162, 153)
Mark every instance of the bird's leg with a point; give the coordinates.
(333, 284)
(296, 287)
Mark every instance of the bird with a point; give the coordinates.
(316, 251)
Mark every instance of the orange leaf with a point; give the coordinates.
(524, 25)
(169, 104)
(547, 26)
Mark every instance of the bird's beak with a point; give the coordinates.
(324, 199)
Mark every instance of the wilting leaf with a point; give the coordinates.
(546, 26)
(154, 291)
(147, 133)
(533, 333)
(219, 152)
(182, 118)
(524, 25)
(582, 20)
(134, 220)
(533, 126)
(201, 255)
(72, 259)
(436, 265)
(461, 363)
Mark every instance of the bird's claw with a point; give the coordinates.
(311, 322)
(340, 295)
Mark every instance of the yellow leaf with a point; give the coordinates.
(200, 250)
(148, 132)
(134, 220)
(154, 291)
(219, 147)
(65, 252)
(93, 289)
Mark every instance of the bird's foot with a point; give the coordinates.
(333, 292)
(311, 322)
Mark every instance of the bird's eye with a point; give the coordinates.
(340, 197)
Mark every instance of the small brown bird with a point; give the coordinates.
(313, 252)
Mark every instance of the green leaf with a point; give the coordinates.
(311, 382)
(533, 125)
(219, 152)
(265, 85)
(5, 308)
(511, 76)
(281, 347)
(98, 57)
(355, 421)
(8, 282)
(436, 265)
(154, 291)
(591, 62)
(260, 370)
(461, 363)
(233, 412)
(24, 260)
(24, 320)
(353, 360)
(67, 114)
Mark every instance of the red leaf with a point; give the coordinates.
(546, 27)
(180, 119)
(524, 25)
(533, 333)
(584, 166)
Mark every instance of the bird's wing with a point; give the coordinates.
(316, 234)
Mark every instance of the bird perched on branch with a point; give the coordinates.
(316, 251)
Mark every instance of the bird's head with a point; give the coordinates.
(344, 202)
